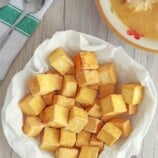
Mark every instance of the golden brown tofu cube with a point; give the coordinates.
(95, 111)
(45, 83)
(67, 152)
(86, 96)
(64, 101)
(83, 138)
(124, 125)
(87, 77)
(93, 125)
(78, 118)
(61, 61)
(50, 139)
(32, 105)
(32, 126)
(69, 86)
(89, 152)
(85, 61)
(107, 74)
(131, 109)
(67, 138)
(48, 98)
(105, 90)
(109, 134)
(113, 105)
(96, 142)
(132, 93)
(56, 116)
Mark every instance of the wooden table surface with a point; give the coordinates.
(80, 15)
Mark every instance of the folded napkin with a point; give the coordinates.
(8, 16)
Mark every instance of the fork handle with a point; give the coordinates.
(6, 34)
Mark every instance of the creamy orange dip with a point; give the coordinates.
(143, 22)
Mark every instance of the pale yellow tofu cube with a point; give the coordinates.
(113, 105)
(107, 74)
(64, 101)
(131, 109)
(96, 142)
(109, 134)
(50, 139)
(45, 83)
(85, 61)
(69, 86)
(48, 98)
(32, 126)
(107, 89)
(86, 96)
(57, 81)
(93, 125)
(67, 152)
(78, 118)
(132, 93)
(61, 61)
(87, 77)
(32, 105)
(67, 138)
(89, 152)
(56, 116)
(95, 111)
(83, 138)
(124, 125)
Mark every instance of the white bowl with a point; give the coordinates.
(128, 71)
(115, 24)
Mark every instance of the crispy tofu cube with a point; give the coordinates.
(61, 61)
(67, 138)
(85, 61)
(67, 152)
(78, 118)
(96, 142)
(124, 125)
(57, 81)
(86, 96)
(32, 105)
(131, 109)
(109, 134)
(132, 93)
(107, 74)
(69, 86)
(89, 152)
(105, 90)
(87, 77)
(56, 116)
(48, 98)
(113, 105)
(64, 101)
(93, 125)
(50, 139)
(83, 138)
(95, 111)
(45, 83)
(32, 126)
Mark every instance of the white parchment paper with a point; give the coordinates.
(128, 71)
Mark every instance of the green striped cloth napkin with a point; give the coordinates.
(8, 16)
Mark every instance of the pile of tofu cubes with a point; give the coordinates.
(75, 107)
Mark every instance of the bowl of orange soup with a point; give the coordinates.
(139, 28)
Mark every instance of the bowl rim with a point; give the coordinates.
(105, 19)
